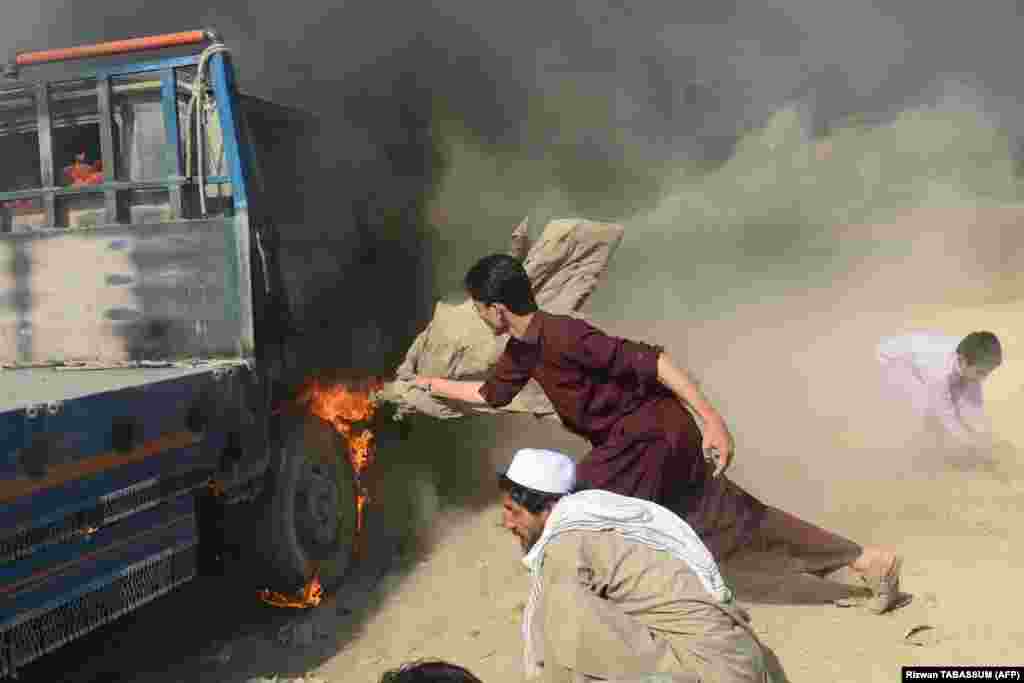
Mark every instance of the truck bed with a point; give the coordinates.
(31, 386)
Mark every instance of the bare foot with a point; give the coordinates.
(880, 569)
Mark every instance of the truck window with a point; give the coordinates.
(142, 149)
(77, 156)
(19, 142)
(19, 150)
(140, 137)
(77, 153)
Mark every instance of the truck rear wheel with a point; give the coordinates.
(313, 511)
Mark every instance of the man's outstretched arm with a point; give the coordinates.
(458, 390)
(716, 434)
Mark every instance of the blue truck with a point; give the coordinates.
(142, 338)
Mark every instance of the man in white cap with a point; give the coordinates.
(622, 588)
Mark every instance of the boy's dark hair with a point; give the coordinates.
(981, 349)
(501, 279)
(534, 501)
(429, 671)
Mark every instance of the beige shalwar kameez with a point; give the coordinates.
(614, 609)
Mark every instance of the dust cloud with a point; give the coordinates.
(774, 274)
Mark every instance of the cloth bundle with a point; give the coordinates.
(564, 265)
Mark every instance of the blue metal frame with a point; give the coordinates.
(141, 67)
(224, 88)
(236, 233)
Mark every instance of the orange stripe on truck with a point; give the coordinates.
(65, 472)
(114, 47)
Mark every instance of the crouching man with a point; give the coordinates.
(622, 587)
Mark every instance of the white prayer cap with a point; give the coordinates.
(542, 470)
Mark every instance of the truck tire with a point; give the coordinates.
(313, 510)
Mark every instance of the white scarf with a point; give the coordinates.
(635, 519)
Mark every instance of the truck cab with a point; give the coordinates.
(142, 333)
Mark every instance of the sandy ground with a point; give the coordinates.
(841, 463)
(953, 521)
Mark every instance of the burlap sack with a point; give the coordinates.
(564, 265)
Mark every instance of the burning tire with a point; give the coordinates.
(313, 512)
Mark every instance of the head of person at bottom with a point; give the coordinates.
(429, 671)
(978, 354)
(531, 486)
(501, 291)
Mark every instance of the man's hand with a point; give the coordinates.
(421, 381)
(718, 445)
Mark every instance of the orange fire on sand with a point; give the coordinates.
(342, 405)
(310, 595)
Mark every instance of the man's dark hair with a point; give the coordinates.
(534, 501)
(501, 279)
(429, 671)
(981, 349)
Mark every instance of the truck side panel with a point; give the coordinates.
(88, 446)
(84, 428)
(160, 291)
(100, 488)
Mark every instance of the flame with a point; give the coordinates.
(310, 595)
(342, 405)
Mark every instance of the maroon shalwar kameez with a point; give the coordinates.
(646, 444)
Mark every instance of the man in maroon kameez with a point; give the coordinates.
(628, 399)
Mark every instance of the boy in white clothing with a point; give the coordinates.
(943, 377)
